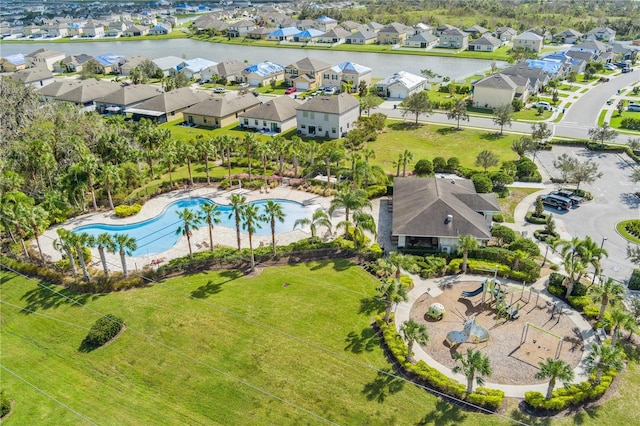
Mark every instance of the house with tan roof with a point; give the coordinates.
(12, 63)
(219, 111)
(335, 35)
(528, 41)
(394, 33)
(72, 63)
(568, 36)
(328, 116)
(85, 94)
(363, 35)
(432, 213)
(498, 90)
(35, 77)
(231, 71)
(485, 43)
(454, 38)
(240, 28)
(505, 34)
(275, 116)
(421, 40)
(305, 74)
(166, 106)
(125, 96)
(44, 57)
(126, 65)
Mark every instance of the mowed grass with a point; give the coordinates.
(429, 141)
(292, 345)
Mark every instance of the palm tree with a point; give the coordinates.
(407, 157)
(362, 222)
(604, 356)
(236, 207)
(517, 257)
(169, 152)
(331, 154)
(263, 149)
(209, 213)
(465, 244)
(391, 292)
(187, 151)
(319, 218)
(610, 292)
(64, 244)
(37, 219)
(273, 211)
(227, 144)
(204, 147)
(473, 363)
(399, 261)
(413, 332)
(89, 164)
(103, 242)
(248, 143)
(251, 219)
(125, 245)
(277, 146)
(555, 369)
(620, 319)
(295, 148)
(80, 242)
(572, 260)
(593, 254)
(350, 200)
(110, 174)
(190, 222)
(368, 154)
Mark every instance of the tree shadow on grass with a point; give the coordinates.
(444, 414)
(491, 136)
(370, 305)
(385, 384)
(211, 288)
(447, 131)
(367, 340)
(404, 125)
(49, 296)
(518, 414)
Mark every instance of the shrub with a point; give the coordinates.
(634, 281)
(5, 404)
(104, 329)
(376, 191)
(579, 302)
(482, 183)
(439, 165)
(526, 245)
(423, 167)
(498, 217)
(505, 234)
(432, 266)
(556, 279)
(532, 218)
(126, 211)
(452, 164)
(579, 289)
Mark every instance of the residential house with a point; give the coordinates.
(211, 25)
(394, 33)
(528, 41)
(167, 106)
(422, 40)
(52, 91)
(373, 26)
(263, 73)
(240, 28)
(432, 213)
(12, 63)
(93, 30)
(328, 116)
(422, 28)
(44, 58)
(127, 64)
(546, 35)
(109, 62)
(454, 38)
(624, 51)
(72, 63)
(219, 111)
(442, 28)
(231, 71)
(56, 30)
(476, 31)
(283, 34)
(126, 96)
(568, 36)
(569, 64)
(308, 35)
(602, 34)
(149, 21)
(35, 77)
(350, 26)
(275, 116)
(193, 67)
(401, 85)
(335, 35)
(171, 20)
(301, 25)
(505, 34)
(538, 77)
(75, 29)
(135, 31)
(168, 63)
(260, 33)
(362, 36)
(498, 90)
(347, 72)
(115, 29)
(593, 49)
(324, 24)
(84, 95)
(161, 29)
(305, 74)
(485, 43)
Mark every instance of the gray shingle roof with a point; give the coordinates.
(280, 109)
(172, 101)
(496, 81)
(330, 104)
(127, 95)
(30, 75)
(219, 106)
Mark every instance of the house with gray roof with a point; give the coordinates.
(422, 40)
(328, 116)
(538, 77)
(260, 33)
(394, 33)
(528, 41)
(325, 23)
(231, 71)
(219, 111)
(485, 43)
(35, 77)
(125, 96)
(85, 93)
(44, 57)
(168, 63)
(401, 85)
(432, 213)
(129, 63)
(350, 26)
(72, 63)
(362, 36)
(275, 116)
(240, 28)
(454, 38)
(335, 35)
(305, 74)
(193, 67)
(442, 28)
(498, 90)
(166, 106)
(568, 36)
(476, 31)
(505, 34)
(602, 34)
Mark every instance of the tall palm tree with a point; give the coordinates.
(64, 243)
(407, 157)
(169, 152)
(278, 147)
(572, 260)
(187, 151)
(80, 242)
(295, 149)
(227, 144)
(263, 149)
(592, 254)
(620, 319)
(465, 244)
(190, 222)
(103, 242)
(125, 245)
(362, 222)
(249, 143)
(331, 153)
(391, 292)
(555, 369)
(368, 155)
(37, 219)
(473, 364)
(609, 293)
(319, 218)
(349, 199)
(110, 174)
(604, 356)
(237, 201)
(205, 147)
(312, 149)
(413, 332)
(209, 213)
(89, 164)
(251, 221)
(273, 211)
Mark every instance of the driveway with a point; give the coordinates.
(613, 202)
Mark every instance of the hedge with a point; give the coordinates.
(532, 218)
(505, 257)
(634, 281)
(564, 398)
(103, 330)
(481, 267)
(126, 211)
(421, 372)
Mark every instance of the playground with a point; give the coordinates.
(515, 327)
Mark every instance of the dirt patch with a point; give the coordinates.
(512, 363)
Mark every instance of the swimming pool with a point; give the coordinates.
(158, 234)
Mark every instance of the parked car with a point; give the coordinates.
(604, 79)
(543, 105)
(290, 90)
(560, 203)
(575, 200)
(219, 90)
(633, 107)
(330, 90)
(610, 67)
(626, 70)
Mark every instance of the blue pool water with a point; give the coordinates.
(158, 234)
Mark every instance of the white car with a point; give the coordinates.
(219, 90)
(610, 67)
(330, 91)
(543, 105)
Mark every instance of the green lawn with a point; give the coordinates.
(509, 203)
(616, 120)
(429, 141)
(182, 360)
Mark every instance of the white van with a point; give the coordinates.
(543, 105)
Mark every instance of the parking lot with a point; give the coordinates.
(614, 201)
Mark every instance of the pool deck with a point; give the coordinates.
(200, 239)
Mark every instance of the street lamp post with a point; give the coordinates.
(601, 246)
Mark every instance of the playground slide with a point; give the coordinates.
(474, 292)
